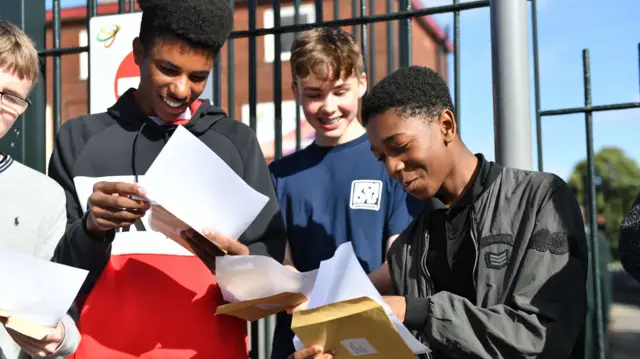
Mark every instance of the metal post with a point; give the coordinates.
(593, 211)
(391, 53)
(253, 76)
(536, 82)
(372, 46)
(296, 21)
(132, 5)
(122, 6)
(217, 82)
(57, 71)
(231, 73)
(92, 11)
(510, 65)
(456, 64)
(277, 82)
(363, 34)
(405, 35)
(354, 14)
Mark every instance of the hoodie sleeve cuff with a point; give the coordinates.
(70, 342)
(416, 313)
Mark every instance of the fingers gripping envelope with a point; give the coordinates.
(191, 187)
(344, 310)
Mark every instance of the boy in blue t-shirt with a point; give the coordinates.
(334, 190)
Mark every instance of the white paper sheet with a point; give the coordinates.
(244, 278)
(198, 187)
(37, 290)
(342, 278)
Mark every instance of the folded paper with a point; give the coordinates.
(191, 187)
(259, 286)
(35, 293)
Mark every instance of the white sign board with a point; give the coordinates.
(265, 127)
(113, 70)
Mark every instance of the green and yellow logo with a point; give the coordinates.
(107, 35)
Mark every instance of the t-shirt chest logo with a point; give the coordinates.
(366, 194)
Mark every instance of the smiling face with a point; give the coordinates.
(173, 74)
(415, 150)
(331, 106)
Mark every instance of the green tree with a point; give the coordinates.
(617, 180)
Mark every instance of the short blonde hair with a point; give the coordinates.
(326, 53)
(17, 52)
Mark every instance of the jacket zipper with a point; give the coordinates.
(427, 276)
(475, 246)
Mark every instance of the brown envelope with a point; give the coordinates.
(35, 331)
(166, 223)
(354, 327)
(251, 310)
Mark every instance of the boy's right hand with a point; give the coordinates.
(112, 208)
(315, 352)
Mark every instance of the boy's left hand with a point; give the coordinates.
(38, 348)
(398, 306)
(207, 251)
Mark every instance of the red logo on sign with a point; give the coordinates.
(127, 75)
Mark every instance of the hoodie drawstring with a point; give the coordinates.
(135, 150)
(167, 134)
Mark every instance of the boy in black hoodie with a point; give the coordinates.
(146, 295)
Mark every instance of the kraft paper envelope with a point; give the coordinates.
(166, 223)
(32, 330)
(251, 310)
(354, 327)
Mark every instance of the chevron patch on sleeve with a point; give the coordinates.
(497, 260)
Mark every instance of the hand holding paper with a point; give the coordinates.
(38, 347)
(314, 352)
(210, 194)
(345, 311)
(206, 252)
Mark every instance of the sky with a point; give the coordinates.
(611, 32)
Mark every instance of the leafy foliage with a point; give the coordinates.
(617, 184)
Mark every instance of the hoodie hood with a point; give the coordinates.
(130, 117)
(150, 137)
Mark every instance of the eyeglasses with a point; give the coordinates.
(13, 103)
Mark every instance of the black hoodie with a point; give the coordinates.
(145, 294)
(124, 142)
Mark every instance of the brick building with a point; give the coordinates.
(428, 43)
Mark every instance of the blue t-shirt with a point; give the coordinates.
(331, 195)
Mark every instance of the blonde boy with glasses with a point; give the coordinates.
(32, 206)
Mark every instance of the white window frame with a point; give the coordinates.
(83, 40)
(306, 10)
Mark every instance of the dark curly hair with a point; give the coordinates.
(204, 24)
(411, 91)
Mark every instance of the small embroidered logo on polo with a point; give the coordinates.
(497, 260)
(16, 221)
(366, 194)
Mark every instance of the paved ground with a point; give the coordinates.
(625, 317)
(625, 332)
